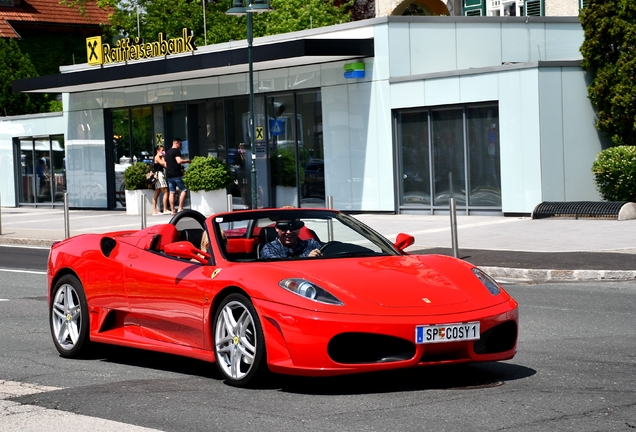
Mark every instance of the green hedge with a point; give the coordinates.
(207, 174)
(135, 176)
(615, 173)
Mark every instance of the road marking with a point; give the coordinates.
(22, 271)
(24, 246)
(26, 418)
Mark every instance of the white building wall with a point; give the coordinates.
(582, 141)
(519, 134)
(535, 162)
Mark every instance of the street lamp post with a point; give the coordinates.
(239, 9)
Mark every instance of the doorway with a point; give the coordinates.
(42, 174)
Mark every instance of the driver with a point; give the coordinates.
(288, 245)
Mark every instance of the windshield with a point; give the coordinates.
(267, 235)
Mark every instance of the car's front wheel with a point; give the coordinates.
(68, 316)
(239, 345)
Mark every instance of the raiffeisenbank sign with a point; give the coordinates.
(127, 49)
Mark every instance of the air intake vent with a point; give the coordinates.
(533, 8)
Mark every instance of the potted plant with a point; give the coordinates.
(207, 178)
(283, 171)
(137, 188)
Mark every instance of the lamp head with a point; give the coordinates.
(259, 6)
(238, 8)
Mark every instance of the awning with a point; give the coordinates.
(200, 64)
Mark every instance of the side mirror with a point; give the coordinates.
(184, 249)
(403, 241)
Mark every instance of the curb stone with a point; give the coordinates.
(26, 241)
(560, 275)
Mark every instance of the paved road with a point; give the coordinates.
(576, 370)
(23, 257)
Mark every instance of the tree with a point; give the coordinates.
(171, 16)
(16, 65)
(609, 51)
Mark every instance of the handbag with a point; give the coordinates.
(151, 177)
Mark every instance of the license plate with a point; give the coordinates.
(447, 333)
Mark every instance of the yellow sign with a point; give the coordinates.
(94, 50)
(127, 49)
(259, 133)
(159, 139)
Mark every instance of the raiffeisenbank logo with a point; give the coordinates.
(127, 49)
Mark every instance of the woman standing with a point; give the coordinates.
(161, 186)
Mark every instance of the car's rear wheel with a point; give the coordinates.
(68, 316)
(239, 345)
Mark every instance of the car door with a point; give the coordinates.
(167, 296)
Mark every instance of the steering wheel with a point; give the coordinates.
(340, 249)
(188, 213)
(332, 248)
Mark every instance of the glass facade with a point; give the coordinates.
(288, 146)
(132, 141)
(449, 152)
(42, 175)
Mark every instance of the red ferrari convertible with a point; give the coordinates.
(309, 292)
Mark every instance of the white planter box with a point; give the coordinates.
(133, 201)
(209, 202)
(286, 196)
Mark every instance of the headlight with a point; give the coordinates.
(490, 284)
(309, 290)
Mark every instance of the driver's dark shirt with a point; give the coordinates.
(275, 249)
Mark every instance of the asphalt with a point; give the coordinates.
(517, 248)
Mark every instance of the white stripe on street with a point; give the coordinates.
(22, 271)
(24, 246)
(31, 418)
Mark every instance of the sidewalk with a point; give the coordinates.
(505, 247)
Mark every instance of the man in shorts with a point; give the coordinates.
(174, 174)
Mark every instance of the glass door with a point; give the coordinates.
(42, 175)
(26, 183)
(133, 142)
(283, 150)
(42, 147)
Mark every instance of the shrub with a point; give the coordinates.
(135, 176)
(283, 167)
(207, 174)
(615, 173)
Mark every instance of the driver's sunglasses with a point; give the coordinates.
(287, 226)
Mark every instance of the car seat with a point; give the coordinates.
(193, 235)
(166, 234)
(267, 234)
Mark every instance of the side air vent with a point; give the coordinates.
(500, 338)
(107, 245)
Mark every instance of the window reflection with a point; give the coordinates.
(42, 170)
(461, 138)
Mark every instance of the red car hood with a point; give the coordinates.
(392, 281)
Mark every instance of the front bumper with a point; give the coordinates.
(302, 342)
